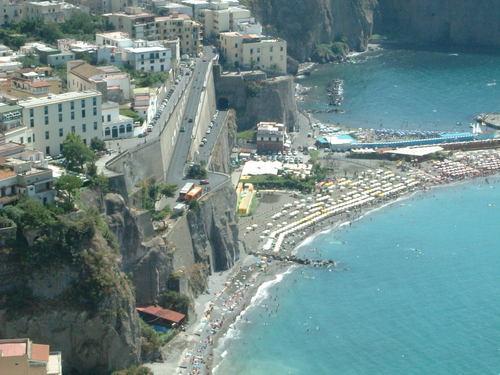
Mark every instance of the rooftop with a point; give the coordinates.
(58, 98)
(145, 49)
(160, 312)
(116, 35)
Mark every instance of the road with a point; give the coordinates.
(205, 151)
(179, 160)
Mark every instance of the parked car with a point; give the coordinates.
(204, 182)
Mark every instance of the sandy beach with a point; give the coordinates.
(232, 292)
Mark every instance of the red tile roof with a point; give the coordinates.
(15, 349)
(171, 316)
(40, 352)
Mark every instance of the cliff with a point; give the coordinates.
(63, 286)
(446, 22)
(256, 98)
(307, 23)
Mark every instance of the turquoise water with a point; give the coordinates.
(418, 293)
(410, 89)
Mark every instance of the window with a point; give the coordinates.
(129, 128)
(73, 129)
(271, 49)
(60, 117)
(82, 103)
(84, 128)
(72, 105)
(32, 122)
(162, 68)
(94, 101)
(29, 139)
(46, 110)
(61, 146)
(84, 141)
(107, 132)
(72, 115)
(83, 113)
(94, 111)
(46, 120)
(33, 138)
(47, 150)
(32, 112)
(21, 140)
(47, 135)
(61, 132)
(109, 118)
(95, 125)
(59, 107)
(122, 129)
(251, 51)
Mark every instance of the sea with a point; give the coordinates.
(405, 89)
(416, 290)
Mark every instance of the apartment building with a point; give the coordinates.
(50, 11)
(110, 81)
(221, 17)
(23, 357)
(248, 51)
(181, 26)
(135, 22)
(11, 125)
(50, 119)
(105, 6)
(271, 137)
(148, 58)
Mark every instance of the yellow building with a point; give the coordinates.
(183, 27)
(249, 51)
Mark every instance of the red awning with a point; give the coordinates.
(159, 312)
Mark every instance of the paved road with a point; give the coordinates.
(205, 152)
(179, 160)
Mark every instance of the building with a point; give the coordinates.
(158, 316)
(271, 137)
(148, 58)
(197, 6)
(250, 51)
(181, 26)
(11, 126)
(20, 177)
(49, 11)
(111, 82)
(114, 39)
(115, 125)
(105, 6)
(172, 8)
(13, 11)
(23, 357)
(221, 17)
(48, 120)
(135, 22)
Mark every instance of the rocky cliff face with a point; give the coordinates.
(470, 23)
(83, 305)
(258, 99)
(146, 258)
(306, 23)
(214, 231)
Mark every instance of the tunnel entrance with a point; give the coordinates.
(223, 104)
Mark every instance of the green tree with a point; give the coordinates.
(168, 190)
(68, 186)
(197, 171)
(97, 144)
(76, 153)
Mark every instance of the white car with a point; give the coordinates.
(208, 131)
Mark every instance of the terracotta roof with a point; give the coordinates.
(171, 316)
(40, 352)
(15, 349)
(40, 84)
(85, 70)
(6, 173)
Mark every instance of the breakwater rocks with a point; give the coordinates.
(301, 261)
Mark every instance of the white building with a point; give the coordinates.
(114, 39)
(254, 52)
(148, 58)
(50, 11)
(50, 119)
(221, 17)
(115, 125)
